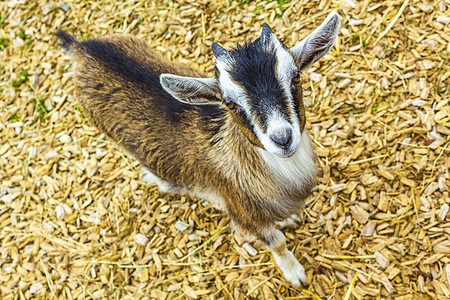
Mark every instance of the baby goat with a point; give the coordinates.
(236, 139)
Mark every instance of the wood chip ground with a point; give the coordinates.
(76, 222)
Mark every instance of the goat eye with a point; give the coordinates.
(229, 103)
(296, 78)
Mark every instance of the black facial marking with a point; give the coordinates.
(299, 106)
(254, 68)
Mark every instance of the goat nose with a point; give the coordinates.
(282, 139)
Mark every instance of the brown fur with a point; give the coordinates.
(205, 150)
(184, 149)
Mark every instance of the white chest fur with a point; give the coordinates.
(294, 170)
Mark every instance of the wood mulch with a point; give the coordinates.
(76, 222)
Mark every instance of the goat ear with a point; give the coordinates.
(191, 90)
(318, 43)
(266, 34)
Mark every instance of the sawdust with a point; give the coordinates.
(76, 222)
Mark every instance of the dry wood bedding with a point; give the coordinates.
(76, 222)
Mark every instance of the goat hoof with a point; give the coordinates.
(292, 270)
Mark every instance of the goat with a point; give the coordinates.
(237, 139)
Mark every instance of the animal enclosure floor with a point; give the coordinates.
(76, 222)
